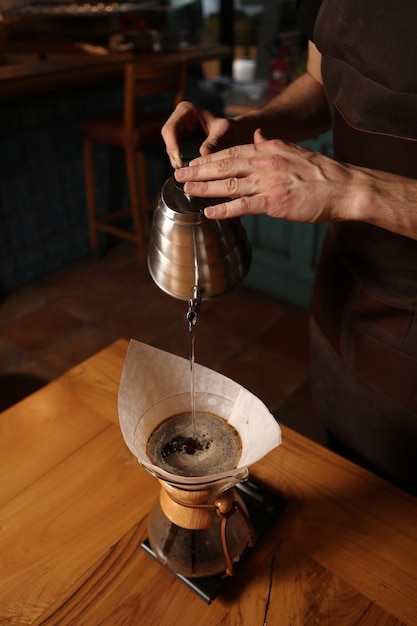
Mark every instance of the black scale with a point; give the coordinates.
(263, 508)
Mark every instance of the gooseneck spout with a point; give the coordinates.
(194, 304)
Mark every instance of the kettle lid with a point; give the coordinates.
(175, 198)
(173, 194)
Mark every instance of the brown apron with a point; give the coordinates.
(364, 322)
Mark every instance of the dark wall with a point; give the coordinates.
(43, 215)
(43, 220)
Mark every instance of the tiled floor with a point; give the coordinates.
(55, 322)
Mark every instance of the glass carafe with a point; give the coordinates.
(200, 530)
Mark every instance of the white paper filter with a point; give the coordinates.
(151, 390)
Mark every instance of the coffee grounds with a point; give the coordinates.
(184, 445)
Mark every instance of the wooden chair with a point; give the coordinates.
(134, 130)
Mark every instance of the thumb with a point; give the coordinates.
(209, 145)
(258, 136)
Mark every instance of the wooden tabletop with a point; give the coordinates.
(73, 514)
(76, 67)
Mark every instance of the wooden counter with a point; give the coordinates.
(73, 513)
(77, 67)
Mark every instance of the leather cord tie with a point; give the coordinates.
(225, 506)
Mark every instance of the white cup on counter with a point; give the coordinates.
(243, 70)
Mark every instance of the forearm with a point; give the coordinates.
(298, 113)
(385, 200)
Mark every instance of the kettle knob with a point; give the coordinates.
(190, 148)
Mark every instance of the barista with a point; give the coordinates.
(363, 320)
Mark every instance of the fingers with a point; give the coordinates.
(236, 208)
(233, 176)
(223, 211)
(224, 188)
(217, 212)
(224, 170)
(258, 136)
(184, 121)
(188, 119)
(225, 158)
(213, 167)
(221, 133)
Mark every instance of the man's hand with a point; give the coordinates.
(274, 178)
(187, 120)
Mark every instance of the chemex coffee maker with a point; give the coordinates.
(193, 429)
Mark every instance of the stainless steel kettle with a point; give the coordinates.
(190, 254)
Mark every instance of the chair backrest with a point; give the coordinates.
(149, 80)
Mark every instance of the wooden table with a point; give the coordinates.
(77, 67)
(73, 514)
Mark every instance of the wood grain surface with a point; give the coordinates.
(73, 513)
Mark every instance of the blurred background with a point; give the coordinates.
(61, 62)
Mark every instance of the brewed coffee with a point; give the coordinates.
(175, 447)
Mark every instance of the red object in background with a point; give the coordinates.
(133, 22)
(279, 75)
